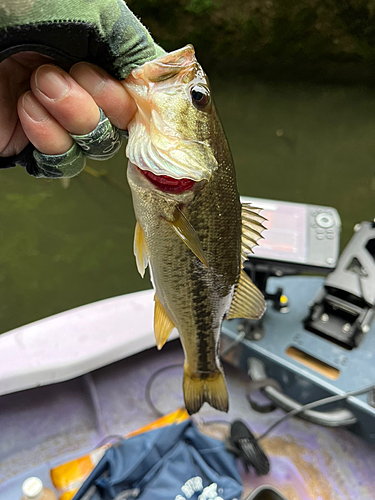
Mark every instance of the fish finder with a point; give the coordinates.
(299, 237)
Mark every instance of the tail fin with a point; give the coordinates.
(197, 390)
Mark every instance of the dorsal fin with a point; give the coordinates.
(248, 301)
(184, 230)
(252, 227)
(140, 249)
(163, 326)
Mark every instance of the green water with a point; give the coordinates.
(61, 248)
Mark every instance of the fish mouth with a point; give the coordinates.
(168, 184)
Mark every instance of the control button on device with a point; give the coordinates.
(325, 220)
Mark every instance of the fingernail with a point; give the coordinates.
(51, 82)
(89, 78)
(33, 108)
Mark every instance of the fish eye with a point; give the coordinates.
(200, 96)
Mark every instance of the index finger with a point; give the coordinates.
(107, 92)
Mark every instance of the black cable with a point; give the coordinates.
(149, 386)
(246, 446)
(314, 404)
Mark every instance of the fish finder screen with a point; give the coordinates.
(286, 235)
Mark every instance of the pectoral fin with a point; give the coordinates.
(182, 227)
(248, 301)
(140, 250)
(163, 326)
(252, 227)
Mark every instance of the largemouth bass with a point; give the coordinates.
(191, 228)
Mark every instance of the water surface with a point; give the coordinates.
(61, 248)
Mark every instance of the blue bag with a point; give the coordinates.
(172, 463)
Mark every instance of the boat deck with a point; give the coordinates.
(46, 426)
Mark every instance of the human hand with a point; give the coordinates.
(104, 32)
(41, 103)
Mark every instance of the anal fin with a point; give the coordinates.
(248, 301)
(140, 249)
(211, 389)
(163, 326)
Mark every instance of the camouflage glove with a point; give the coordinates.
(103, 32)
